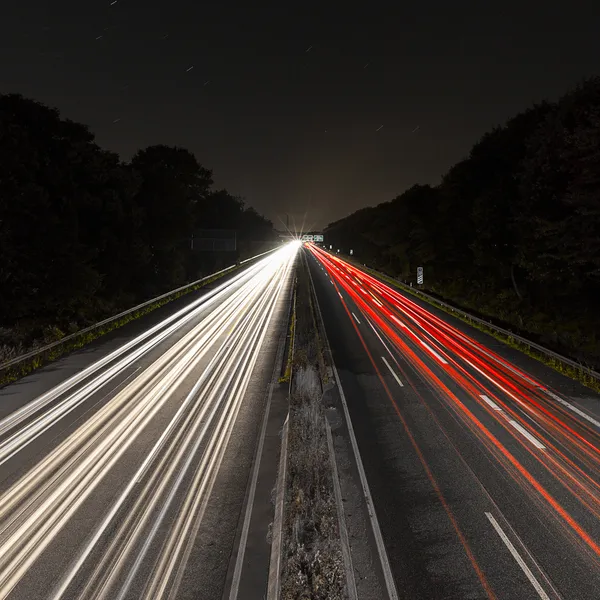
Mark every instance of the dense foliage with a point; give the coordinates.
(512, 231)
(83, 234)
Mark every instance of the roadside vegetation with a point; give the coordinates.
(581, 374)
(85, 235)
(313, 565)
(74, 341)
(511, 232)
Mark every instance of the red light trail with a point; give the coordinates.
(548, 433)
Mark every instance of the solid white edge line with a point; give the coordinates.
(356, 318)
(526, 433)
(490, 402)
(385, 563)
(534, 582)
(383, 557)
(570, 406)
(440, 358)
(274, 579)
(387, 364)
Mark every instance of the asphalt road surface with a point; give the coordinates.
(127, 478)
(484, 465)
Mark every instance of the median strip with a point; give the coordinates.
(313, 562)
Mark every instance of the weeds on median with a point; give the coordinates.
(291, 333)
(313, 566)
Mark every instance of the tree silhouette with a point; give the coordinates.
(512, 231)
(83, 235)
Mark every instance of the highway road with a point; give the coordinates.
(127, 479)
(484, 466)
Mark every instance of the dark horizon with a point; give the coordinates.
(287, 109)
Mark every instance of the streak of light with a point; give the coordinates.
(481, 380)
(465, 544)
(223, 334)
(66, 404)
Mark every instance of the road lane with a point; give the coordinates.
(107, 478)
(462, 424)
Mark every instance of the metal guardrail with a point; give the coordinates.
(506, 332)
(29, 355)
(257, 256)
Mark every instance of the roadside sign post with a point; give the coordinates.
(420, 275)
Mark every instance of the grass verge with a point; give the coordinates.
(581, 375)
(11, 374)
(290, 349)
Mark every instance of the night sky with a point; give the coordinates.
(286, 105)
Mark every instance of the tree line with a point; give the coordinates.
(84, 234)
(512, 231)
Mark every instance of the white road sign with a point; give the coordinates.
(420, 275)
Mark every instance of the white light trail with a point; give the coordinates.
(218, 352)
